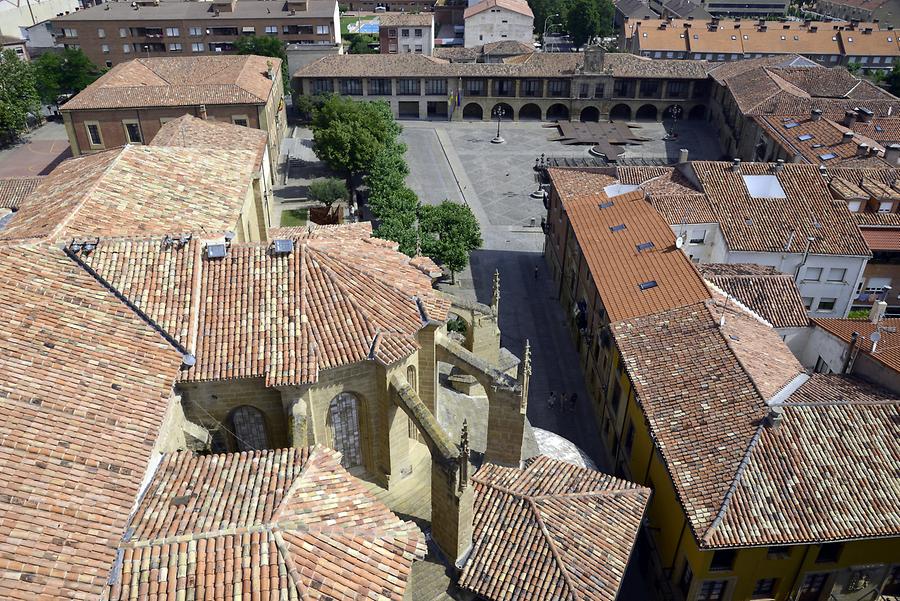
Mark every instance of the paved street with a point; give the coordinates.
(37, 153)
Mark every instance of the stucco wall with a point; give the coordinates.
(503, 25)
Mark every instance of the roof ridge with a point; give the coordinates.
(87, 193)
(314, 454)
(293, 572)
(738, 475)
(609, 492)
(553, 550)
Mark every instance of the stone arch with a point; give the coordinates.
(344, 421)
(620, 112)
(530, 112)
(508, 112)
(647, 112)
(247, 426)
(473, 112)
(590, 113)
(558, 112)
(697, 113)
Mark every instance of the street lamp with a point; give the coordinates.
(675, 111)
(546, 22)
(499, 113)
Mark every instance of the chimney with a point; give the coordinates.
(776, 413)
(735, 165)
(862, 150)
(892, 154)
(876, 313)
(848, 135)
(816, 114)
(202, 111)
(779, 165)
(873, 151)
(813, 29)
(683, 154)
(865, 115)
(849, 118)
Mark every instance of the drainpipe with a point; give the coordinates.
(809, 241)
(853, 338)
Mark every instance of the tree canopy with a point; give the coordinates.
(449, 232)
(266, 45)
(583, 20)
(348, 135)
(18, 95)
(359, 43)
(66, 72)
(328, 190)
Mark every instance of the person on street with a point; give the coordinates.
(551, 402)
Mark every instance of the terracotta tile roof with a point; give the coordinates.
(815, 477)
(791, 41)
(847, 184)
(14, 190)
(885, 130)
(764, 224)
(516, 6)
(410, 19)
(618, 266)
(875, 43)
(666, 39)
(745, 24)
(180, 81)
(622, 64)
(506, 48)
(287, 524)
(135, 191)
(888, 350)
(742, 482)
(767, 292)
(657, 180)
(882, 238)
(819, 138)
(85, 384)
(551, 531)
(258, 314)
(722, 40)
(188, 131)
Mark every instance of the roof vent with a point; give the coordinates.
(779, 165)
(216, 251)
(848, 135)
(188, 361)
(736, 165)
(644, 246)
(815, 114)
(862, 150)
(776, 413)
(823, 171)
(648, 285)
(282, 247)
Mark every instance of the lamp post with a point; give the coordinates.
(499, 113)
(546, 23)
(675, 111)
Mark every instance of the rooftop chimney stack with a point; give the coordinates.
(776, 413)
(848, 135)
(779, 165)
(202, 111)
(849, 118)
(865, 115)
(816, 114)
(735, 165)
(683, 154)
(892, 154)
(876, 313)
(862, 150)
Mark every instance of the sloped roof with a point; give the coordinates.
(873, 43)
(741, 481)
(137, 191)
(84, 385)
(258, 314)
(180, 81)
(769, 293)
(888, 350)
(613, 257)
(410, 19)
(551, 531)
(516, 6)
(188, 131)
(14, 190)
(822, 137)
(290, 523)
(882, 238)
(846, 183)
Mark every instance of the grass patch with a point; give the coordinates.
(294, 217)
(345, 22)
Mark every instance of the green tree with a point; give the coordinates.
(66, 72)
(449, 232)
(892, 79)
(359, 43)
(348, 135)
(328, 191)
(266, 45)
(18, 95)
(854, 67)
(588, 19)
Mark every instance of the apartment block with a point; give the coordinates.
(113, 32)
(401, 33)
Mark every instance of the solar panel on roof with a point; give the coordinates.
(805, 137)
(828, 156)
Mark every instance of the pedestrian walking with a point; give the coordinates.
(535, 272)
(572, 401)
(562, 402)
(551, 402)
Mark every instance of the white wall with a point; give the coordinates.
(407, 45)
(31, 12)
(498, 24)
(711, 250)
(821, 344)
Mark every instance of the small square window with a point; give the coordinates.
(826, 305)
(723, 560)
(781, 552)
(240, 120)
(104, 48)
(697, 237)
(132, 132)
(195, 47)
(123, 32)
(712, 590)
(101, 33)
(837, 274)
(807, 302)
(829, 552)
(94, 136)
(764, 588)
(812, 274)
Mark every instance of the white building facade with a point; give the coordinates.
(497, 21)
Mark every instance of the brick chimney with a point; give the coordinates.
(892, 154)
(815, 115)
(849, 118)
(201, 111)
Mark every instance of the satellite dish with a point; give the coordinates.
(875, 336)
(679, 241)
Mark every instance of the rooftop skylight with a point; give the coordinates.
(805, 137)
(828, 156)
(618, 189)
(763, 186)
